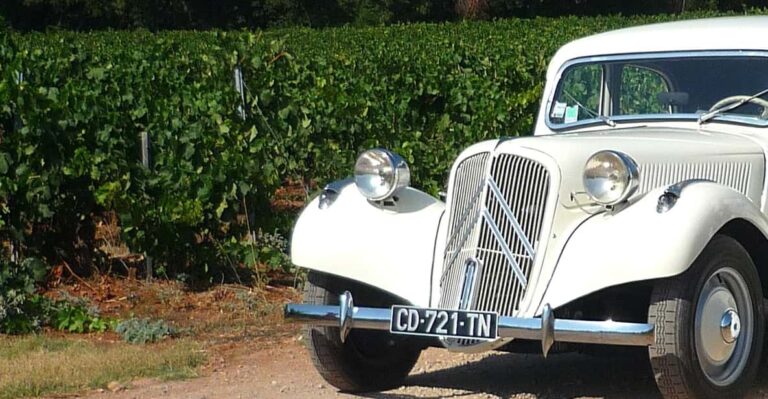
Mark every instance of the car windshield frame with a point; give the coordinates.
(643, 118)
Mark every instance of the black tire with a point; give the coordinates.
(368, 360)
(678, 366)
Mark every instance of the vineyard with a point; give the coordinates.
(74, 108)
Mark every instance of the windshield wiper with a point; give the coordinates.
(707, 116)
(608, 121)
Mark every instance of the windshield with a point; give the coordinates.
(661, 88)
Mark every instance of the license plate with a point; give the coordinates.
(444, 322)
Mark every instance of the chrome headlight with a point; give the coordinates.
(380, 174)
(610, 177)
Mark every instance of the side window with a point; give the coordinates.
(579, 95)
(640, 88)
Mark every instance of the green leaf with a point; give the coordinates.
(3, 163)
(107, 192)
(45, 211)
(221, 208)
(96, 73)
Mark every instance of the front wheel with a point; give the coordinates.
(367, 360)
(709, 325)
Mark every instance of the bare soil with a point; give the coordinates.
(283, 370)
(252, 353)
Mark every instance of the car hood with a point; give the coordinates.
(664, 156)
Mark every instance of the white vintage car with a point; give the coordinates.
(635, 216)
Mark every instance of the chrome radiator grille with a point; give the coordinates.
(496, 220)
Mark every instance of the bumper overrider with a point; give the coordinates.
(546, 328)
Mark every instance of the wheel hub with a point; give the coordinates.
(730, 326)
(717, 340)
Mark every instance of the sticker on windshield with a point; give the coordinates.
(559, 109)
(571, 114)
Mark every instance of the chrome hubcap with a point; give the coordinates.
(730, 326)
(722, 341)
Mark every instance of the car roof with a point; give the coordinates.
(724, 33)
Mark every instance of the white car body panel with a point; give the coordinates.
(390, 248)
(639, 243)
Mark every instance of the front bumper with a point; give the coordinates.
(546, 328)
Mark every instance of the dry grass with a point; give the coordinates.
(222, 313)
(40, 365)
(226, 321)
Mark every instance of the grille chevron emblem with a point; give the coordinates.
(485, 214)
(505, 248)
(510, 217)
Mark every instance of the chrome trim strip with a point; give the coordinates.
(508, 212)
(534, 328)
(504, 247)
(581, 331)
(363, 318)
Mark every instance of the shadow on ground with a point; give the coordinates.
(607, 375)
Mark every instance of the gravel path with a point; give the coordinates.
(285, 371)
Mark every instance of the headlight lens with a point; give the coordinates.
(380, 174)
(610, 177)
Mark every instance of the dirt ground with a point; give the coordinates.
(252, 353)
(283, 370)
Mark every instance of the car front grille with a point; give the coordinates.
(496, 218)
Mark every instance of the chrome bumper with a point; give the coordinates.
(545, 328)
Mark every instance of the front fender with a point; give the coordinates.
(388, 247)
(638, 243)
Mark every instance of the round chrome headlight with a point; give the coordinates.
(610, 177)
(380, 174)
